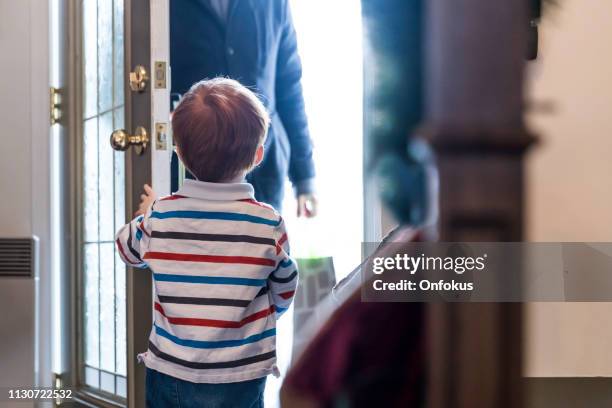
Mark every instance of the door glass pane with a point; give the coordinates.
(105, 55)
(106, 184)
(90, 179)
(90, 52)
(104, 305)
(92, 304)
(118, 52)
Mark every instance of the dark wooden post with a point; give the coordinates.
(475, 52)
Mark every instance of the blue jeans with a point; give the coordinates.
(164, 391)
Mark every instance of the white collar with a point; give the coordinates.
(216, 191)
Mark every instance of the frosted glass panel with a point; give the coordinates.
(92, 304)
(106, 185)
(105, 55)
(92, 377)
(120, 318)
(90, 53)
(118, 50)
(90, 180)
(119, 118)
(107, 382)
(103, 198)
(121, 387)
(107, 308)
(119, 189)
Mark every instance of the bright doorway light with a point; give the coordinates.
(329, 41)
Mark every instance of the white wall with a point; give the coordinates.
(24, 144)
(15, 117)
(569, 186)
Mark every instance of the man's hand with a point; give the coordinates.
(146, 200)
(306, 205)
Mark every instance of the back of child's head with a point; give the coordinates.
(218, 126)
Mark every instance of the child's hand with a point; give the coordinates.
(146, 200)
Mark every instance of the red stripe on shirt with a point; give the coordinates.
(142, 228)
(255, 202)
(225, 324)
(287, 295)
(279, 244)
(247, 260)
(172, 197)
(120, 247)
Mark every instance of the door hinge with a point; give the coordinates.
(55, 107)
(58, 385)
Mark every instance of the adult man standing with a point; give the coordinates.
(254, 42)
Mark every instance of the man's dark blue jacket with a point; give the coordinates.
(256, 46)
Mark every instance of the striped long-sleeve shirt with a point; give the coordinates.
(222, 276)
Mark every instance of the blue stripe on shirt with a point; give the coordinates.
(282, 264)
(214, 344)
(285, 263)
(213, 280)
(210, 215)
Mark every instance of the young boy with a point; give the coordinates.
(220, 259)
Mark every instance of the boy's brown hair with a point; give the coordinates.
(218, 126)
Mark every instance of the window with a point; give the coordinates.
(103, 357)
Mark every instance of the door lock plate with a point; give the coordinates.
(161, 136)
(160, 75)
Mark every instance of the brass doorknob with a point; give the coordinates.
(120, 140)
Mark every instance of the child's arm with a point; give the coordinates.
(284, 279)
(132, 239)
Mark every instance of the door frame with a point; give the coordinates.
(148, 109)
(141, 109)
(137, 172)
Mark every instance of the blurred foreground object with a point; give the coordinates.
(475, 63)
(469, 106)
(372, 354)
(365, 354)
